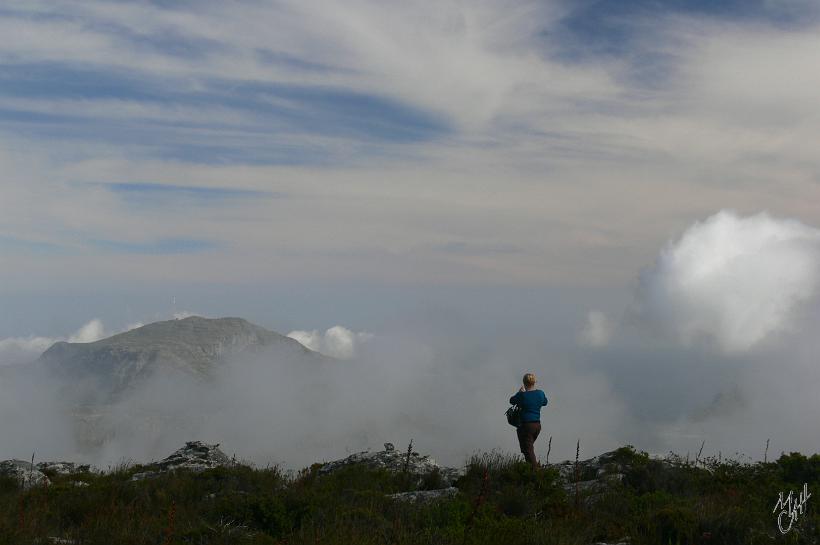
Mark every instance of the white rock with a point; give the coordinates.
(425, 495)
(24, 472)
(194, 456)
(66, 468)
(395, 461)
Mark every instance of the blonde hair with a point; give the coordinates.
(529, 380)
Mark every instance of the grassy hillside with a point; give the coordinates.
(500, 500)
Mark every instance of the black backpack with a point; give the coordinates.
(514, 415)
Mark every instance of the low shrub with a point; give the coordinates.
(500, 499)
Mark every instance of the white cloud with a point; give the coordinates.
(338, 342)
(736, 280)
(17, 350)
(597, 331)
(90, 332)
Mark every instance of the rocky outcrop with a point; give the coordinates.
(194, 456)
(65, 468)
(595, 475)
(23, 472)
(396, 461)
(423, 496)
(29, 475)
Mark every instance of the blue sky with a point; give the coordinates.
(257, 110)
(392, 144)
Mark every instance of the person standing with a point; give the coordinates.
(530, 400)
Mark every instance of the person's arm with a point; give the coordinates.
(545, 399)
(514, 399)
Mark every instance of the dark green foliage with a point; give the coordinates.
(501, 499)
(797, 469)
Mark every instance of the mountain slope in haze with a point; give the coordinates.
(192, 345)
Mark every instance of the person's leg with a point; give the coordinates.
(536, 429)
(521, 432)
(527, 433)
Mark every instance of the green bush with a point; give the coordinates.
(500, 499)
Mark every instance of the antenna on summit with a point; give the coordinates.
(174, 305)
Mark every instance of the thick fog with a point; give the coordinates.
(718, 345)
(445, 390)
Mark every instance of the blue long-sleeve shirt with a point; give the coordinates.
(530, 402)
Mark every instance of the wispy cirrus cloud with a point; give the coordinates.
(164, 195)
(431, 137)
(156, 247)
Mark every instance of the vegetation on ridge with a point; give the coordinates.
(500, 500)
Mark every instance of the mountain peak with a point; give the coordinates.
(192, 327)
(193, 345)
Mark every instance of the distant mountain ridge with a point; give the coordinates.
(192, 345)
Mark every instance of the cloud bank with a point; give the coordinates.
(719, 344)
(440, 393)
(20, 350)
